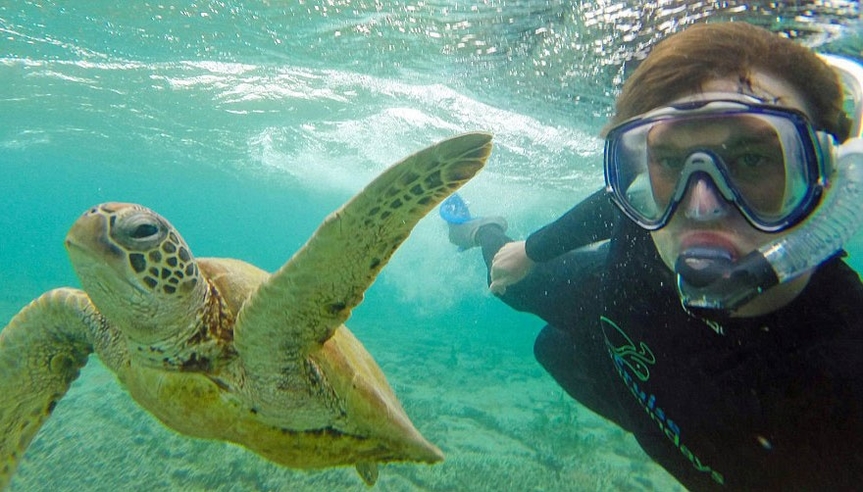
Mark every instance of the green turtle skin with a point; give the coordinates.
(217, 348)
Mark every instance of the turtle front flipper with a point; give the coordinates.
(368, 472)
(41, 352)
(301, 305)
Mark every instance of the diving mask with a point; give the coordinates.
(766, 160)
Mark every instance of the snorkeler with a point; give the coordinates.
(700, 301)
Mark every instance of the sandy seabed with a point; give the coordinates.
(501, 421)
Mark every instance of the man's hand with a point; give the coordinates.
(509, 266)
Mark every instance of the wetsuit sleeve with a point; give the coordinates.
(556, 290)
(590, 221)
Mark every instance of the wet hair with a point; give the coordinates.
(685, 61)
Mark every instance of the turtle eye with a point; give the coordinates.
(144, 231)
(140, 231)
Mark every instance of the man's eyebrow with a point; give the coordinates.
(663, 147)
(755, 131)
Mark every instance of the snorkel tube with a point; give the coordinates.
(726, 285)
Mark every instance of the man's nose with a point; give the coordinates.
(703, 201)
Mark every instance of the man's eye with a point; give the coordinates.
(753, 161)
(669, 162)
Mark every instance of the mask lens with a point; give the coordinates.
(762, 162)
(634, 184)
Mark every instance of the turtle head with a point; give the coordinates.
(137, 270)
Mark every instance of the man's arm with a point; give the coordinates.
(590, 221)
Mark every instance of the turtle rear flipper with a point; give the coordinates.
(41, 352)
(300, 306)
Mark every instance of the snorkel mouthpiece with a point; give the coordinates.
(702, 266)
(708, 278)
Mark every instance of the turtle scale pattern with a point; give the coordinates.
(216, 348)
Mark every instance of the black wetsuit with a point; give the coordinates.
(773, 402)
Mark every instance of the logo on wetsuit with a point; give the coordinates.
(633, 364)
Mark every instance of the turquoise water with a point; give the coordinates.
(246, 123)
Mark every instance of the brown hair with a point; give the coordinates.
(703, 52)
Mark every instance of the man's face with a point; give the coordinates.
(704, 218)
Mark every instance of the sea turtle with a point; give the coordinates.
(216, 348)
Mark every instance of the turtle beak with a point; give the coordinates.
(89, 235)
